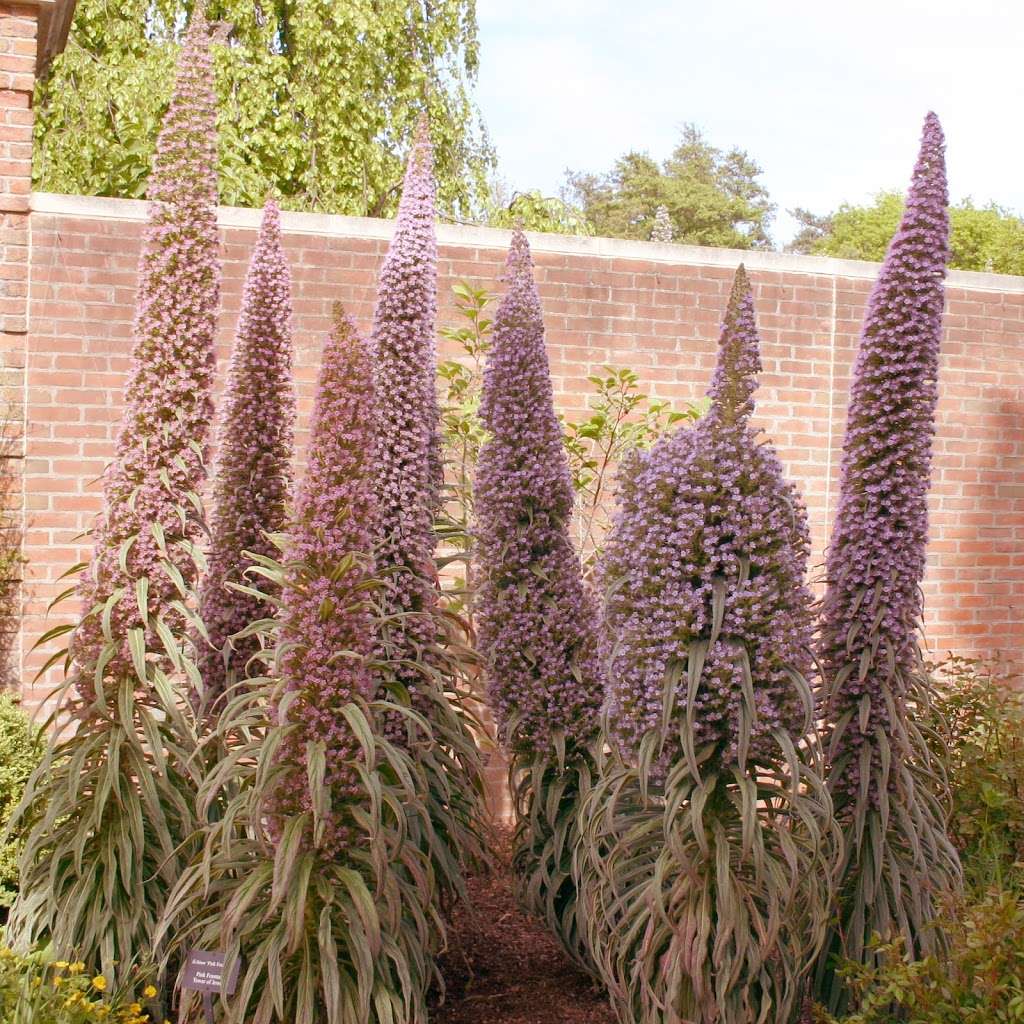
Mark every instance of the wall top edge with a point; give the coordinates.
(472, 236)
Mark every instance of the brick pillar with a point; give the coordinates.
(18, 39)
(18, 24)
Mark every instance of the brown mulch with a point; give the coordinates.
(504, 967)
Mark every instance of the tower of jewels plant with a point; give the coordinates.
(537, 621)
(889, 791)
(111, 806)
(423, 653)
(704, 865)
(318, 874)
(252, 483)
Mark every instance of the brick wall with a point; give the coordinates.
(653, 307)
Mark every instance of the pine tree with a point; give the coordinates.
(662, 230)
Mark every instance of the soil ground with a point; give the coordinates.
(504, 967)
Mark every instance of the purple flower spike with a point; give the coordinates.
(327, 628)
(537, 621)
(876, 558)
(159, 463)
(885, 775)
(704, 572)
(408, 468)
(253, 480)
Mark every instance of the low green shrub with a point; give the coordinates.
(980, 982)
(20, 752)
(36, 989)
(984, 716)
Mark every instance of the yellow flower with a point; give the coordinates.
(135, 1008)
(149, 992)
(99, 983)
(58, 981)
(61, 964)
(76, 968)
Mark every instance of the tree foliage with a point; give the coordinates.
(534, 211)
(316, 100)
(20, 751)
(988, 238)
(713, 196)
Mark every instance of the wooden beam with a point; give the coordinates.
(54, 23)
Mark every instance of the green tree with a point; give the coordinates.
(534, 211)
(713, 197)
(981, 237)
(813, 228)
(317, 100)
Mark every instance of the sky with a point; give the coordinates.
(827, 96)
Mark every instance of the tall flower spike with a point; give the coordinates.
(122, 785)
(323, 831)
(253, 479)
(408, 460)
(739, 360)
(418, 649)
(325, 612)
(704, 570)
(873, 671)
(881, 529)
(707, 637)
(537, 622)
(160, 452)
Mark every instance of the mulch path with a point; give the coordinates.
(503, 966)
